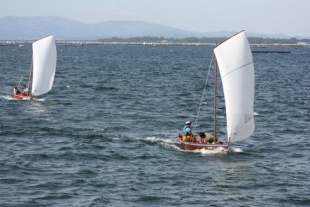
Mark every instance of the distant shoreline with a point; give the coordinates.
(162, 41)
(150, 44)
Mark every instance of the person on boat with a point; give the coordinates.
(16, 91)
(26, 91)
(208, 138)
(187, 134)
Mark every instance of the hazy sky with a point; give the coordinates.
(290, 17)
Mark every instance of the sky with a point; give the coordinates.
(289, 17)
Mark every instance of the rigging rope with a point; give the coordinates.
(203, 94)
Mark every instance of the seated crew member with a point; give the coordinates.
(26, 90)
(208, 138)
(16, 91)
(187, 133)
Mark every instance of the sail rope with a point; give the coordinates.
(203, 95)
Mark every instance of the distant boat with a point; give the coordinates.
(42, 70)
(235, 63)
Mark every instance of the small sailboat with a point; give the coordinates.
(42, 70)
(235, 63)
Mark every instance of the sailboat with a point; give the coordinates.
(42, 70)
(235, 63)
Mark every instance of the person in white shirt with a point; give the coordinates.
(26, 90)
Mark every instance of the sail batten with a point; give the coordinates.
(44, 65)
(241, 67)
(235, 62)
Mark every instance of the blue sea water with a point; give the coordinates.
(106, 133)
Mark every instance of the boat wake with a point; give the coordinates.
(39, 99)
(8, 97)
(167, 143)
(219, 150)
(233, 149)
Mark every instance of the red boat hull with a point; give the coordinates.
(197, 145)
(22, 97)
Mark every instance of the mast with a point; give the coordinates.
(215, 93)
(29, 80)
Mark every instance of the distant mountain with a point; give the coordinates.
(29, 28)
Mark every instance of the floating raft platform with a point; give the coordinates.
(270, 51)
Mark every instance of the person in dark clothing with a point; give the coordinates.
(16, 91)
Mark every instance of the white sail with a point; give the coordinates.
(236, 67)
(44, 65)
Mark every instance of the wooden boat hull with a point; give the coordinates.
(22, 97)
(202, 146)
